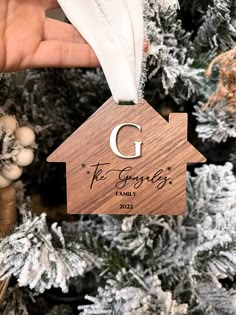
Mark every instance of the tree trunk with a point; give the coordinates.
(7, 222)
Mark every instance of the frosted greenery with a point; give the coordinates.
(217, 32)
(133, 293)
(170, 263)
(215, 124)
(128, 265)
(40, 258)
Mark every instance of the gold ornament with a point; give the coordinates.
(12, 171)
(9, 123)
(226, 90)
(25, 157)
(25, 136)
(4, 182)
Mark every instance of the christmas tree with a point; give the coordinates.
(129, 265)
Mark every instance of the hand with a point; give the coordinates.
(28, 39)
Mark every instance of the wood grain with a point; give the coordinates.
(165, 147)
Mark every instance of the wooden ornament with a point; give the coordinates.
(7, 222)
(127, 160)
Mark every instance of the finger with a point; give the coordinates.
(54, 53)
(50, 4)
(57, 30)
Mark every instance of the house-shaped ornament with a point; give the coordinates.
(127, 160)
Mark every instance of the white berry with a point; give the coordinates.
(4, 182)
(25, 136)
(25, 157)
(11, 171)
(9, 123)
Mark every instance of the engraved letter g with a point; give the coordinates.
(113, 142)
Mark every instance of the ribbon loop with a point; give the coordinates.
(114, 29)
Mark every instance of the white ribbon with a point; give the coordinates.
(115, 30)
